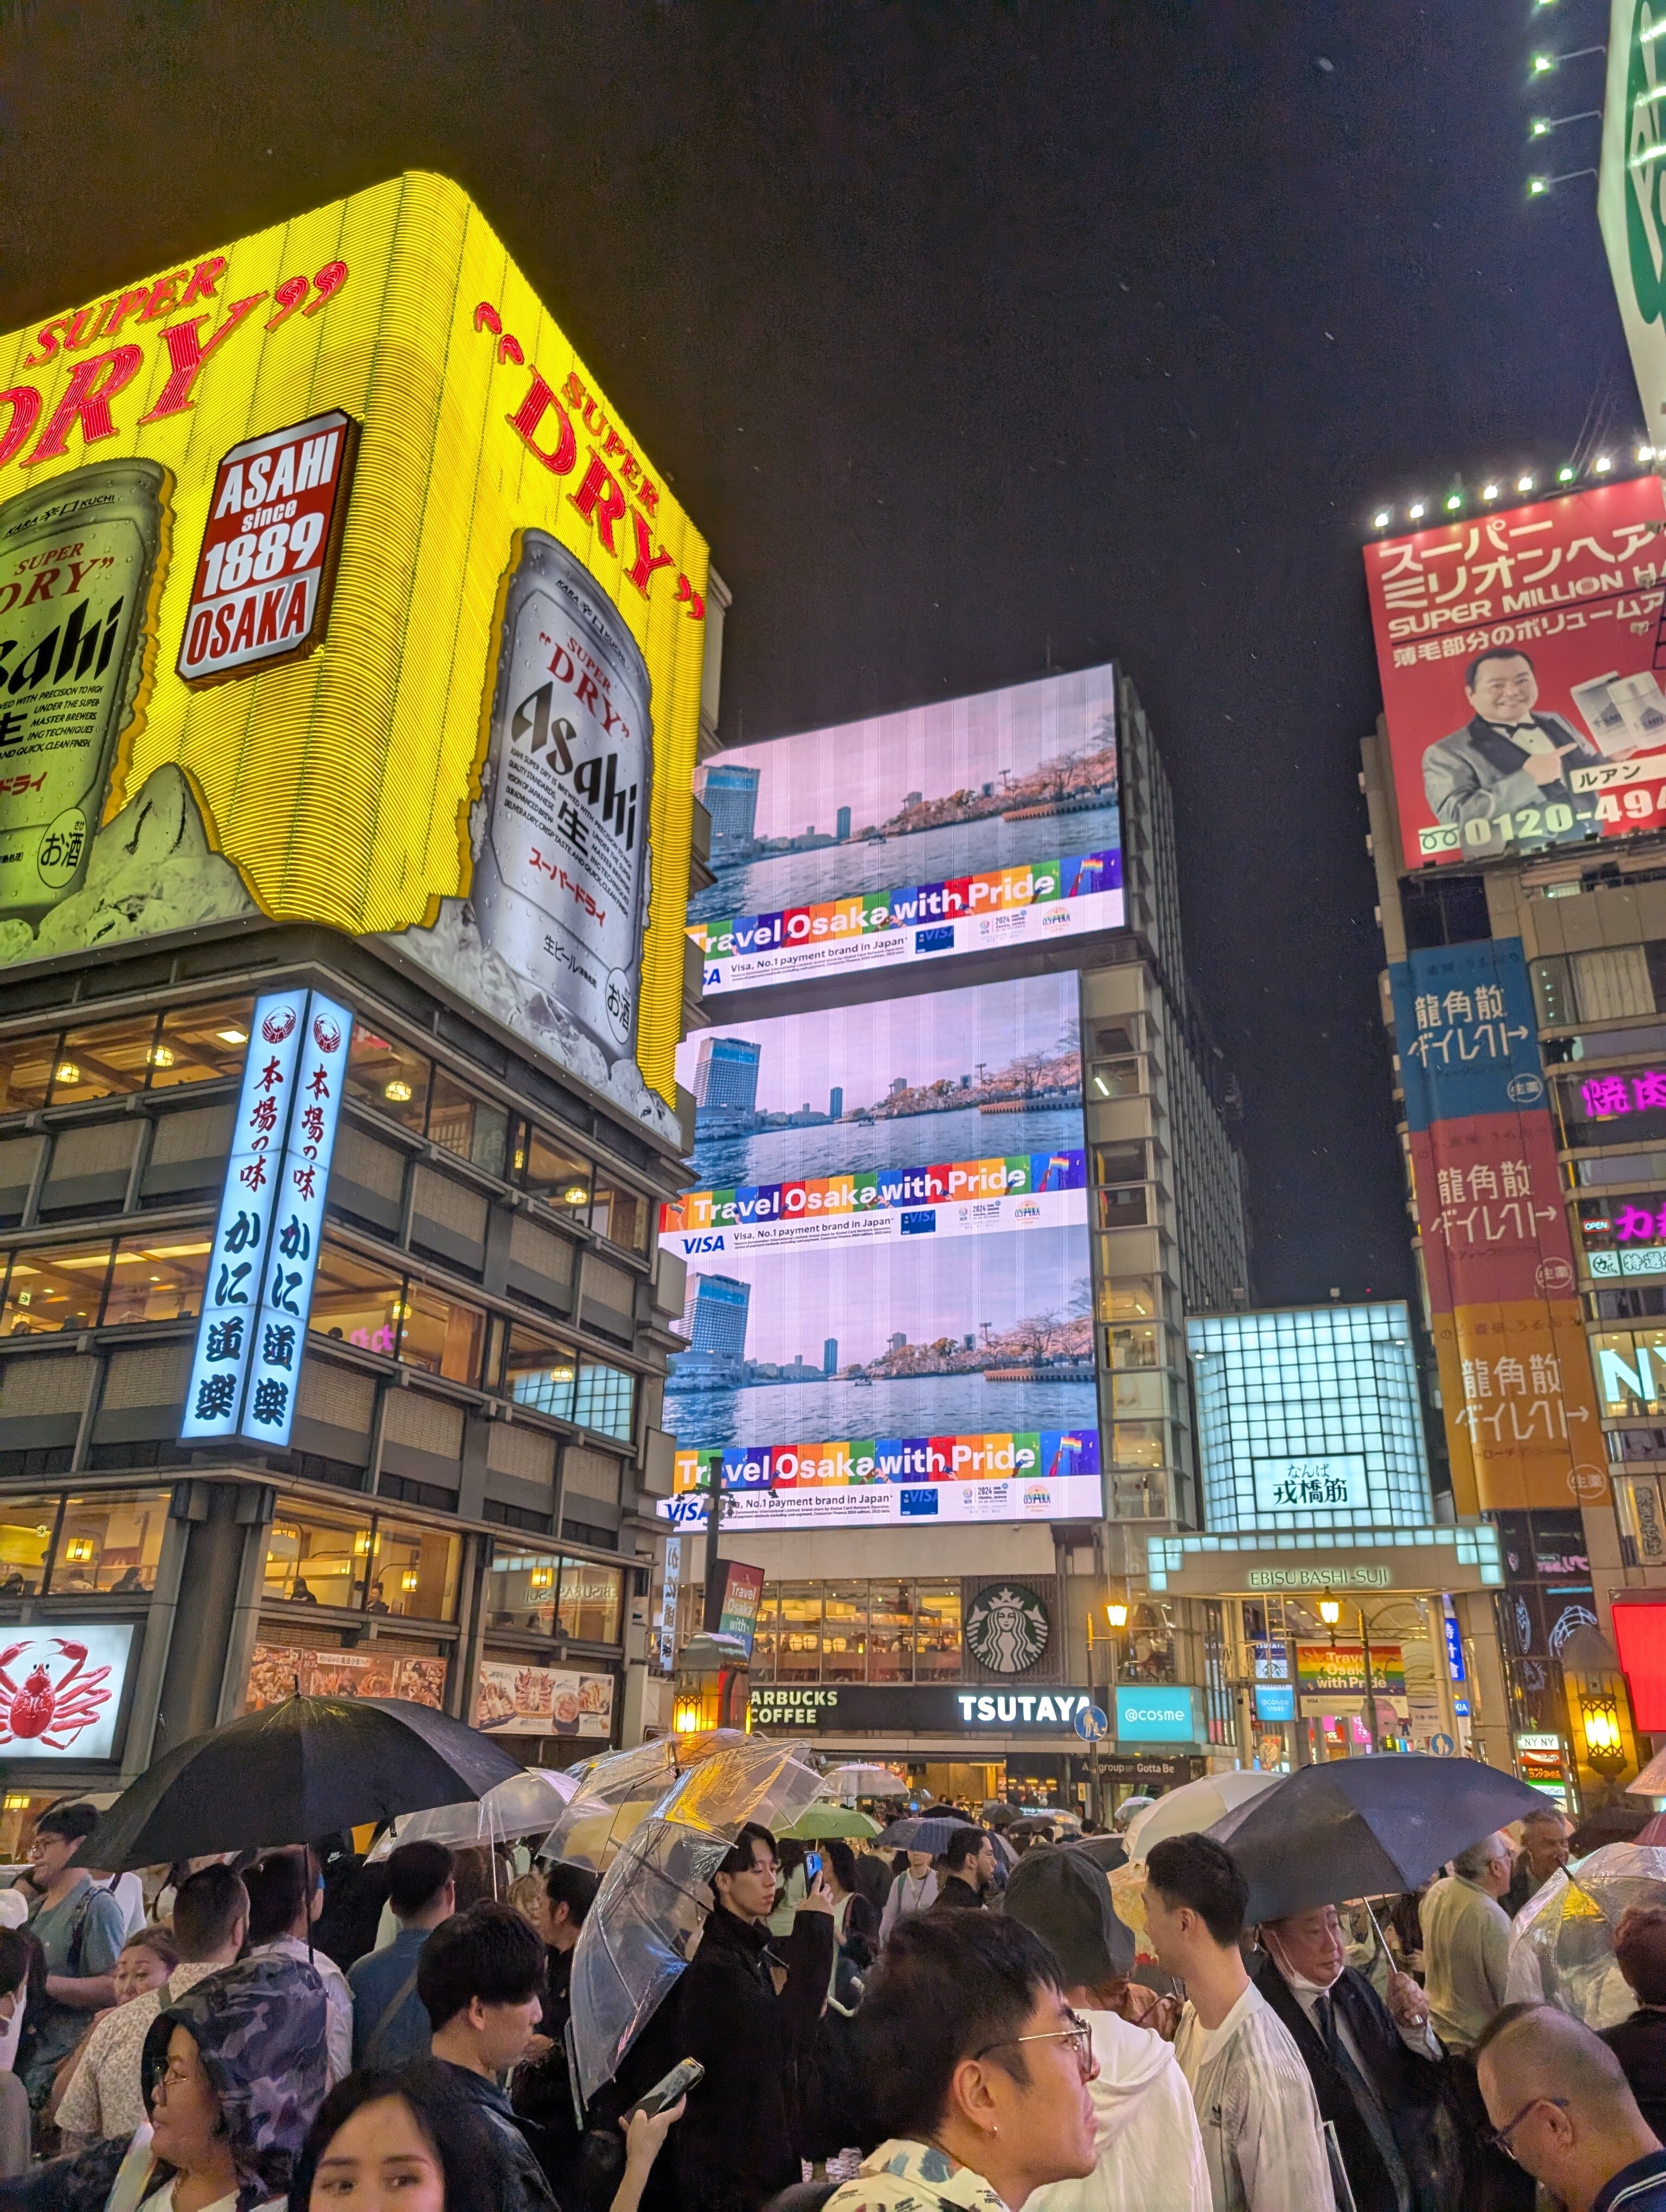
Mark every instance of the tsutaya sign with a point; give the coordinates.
(948, 1707)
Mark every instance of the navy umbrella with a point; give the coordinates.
(1364, 1827)
(914, 1831)
(288, 1772)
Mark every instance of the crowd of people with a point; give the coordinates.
(970, 2028)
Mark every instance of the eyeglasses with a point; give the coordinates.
(1501, 2140)
(1078, 2035)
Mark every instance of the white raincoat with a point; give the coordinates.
(1256, 2110)
(1145, 2130)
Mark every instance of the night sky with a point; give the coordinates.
(978, 341)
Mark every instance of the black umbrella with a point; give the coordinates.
(914, 1831)
(293, 1772)
(1107, 1852)
(1362, 1828)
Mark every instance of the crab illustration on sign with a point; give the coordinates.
(1006, 1628)
(54, 1711)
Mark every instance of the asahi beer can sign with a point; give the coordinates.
(561, 886)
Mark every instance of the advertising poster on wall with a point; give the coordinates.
(61, 1696)
(971, 825)
(1516, 653)
(888, 1309)
(280, 1671)
(333, 590)
(515, 1700)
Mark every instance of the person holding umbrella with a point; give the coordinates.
(914, 1890)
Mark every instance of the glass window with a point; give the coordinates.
(604, 1400)
(798, 1644)
(413, 1571)
(1137, 1345)
(540, 1373)
(356, 1302)
(890, 1633)
(26, 1537)
(201, 1044)
(591, 1598)
(109, 1544)
(388, 1077)
(520, 1590)
(559, 1177)
(441, 1335)
(765, 1635)
(621, 1216)
(470, 1126)
(1553, 991)
(26, 1070)
(103, 1060)
(937, 1632)
(1132, 1298)
(1136, 1444)
(320, 1559)
(1631, 1369)
(1115, 1079)
(156, 1278)
(1119, 1164)
(1136, 1393)
(59, 1286)
(1124, 1209)
(844, 1632)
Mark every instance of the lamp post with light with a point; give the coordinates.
(1330, 1612)
(1117, 1617)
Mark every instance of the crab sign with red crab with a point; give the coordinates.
(55, 1711)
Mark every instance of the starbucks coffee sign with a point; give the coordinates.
(1006, 1628)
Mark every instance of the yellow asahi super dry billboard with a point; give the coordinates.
(332, 588)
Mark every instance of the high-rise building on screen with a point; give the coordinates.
(725, 1075)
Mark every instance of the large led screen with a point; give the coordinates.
(969, 826)
(889, 1311)
(1517, 657)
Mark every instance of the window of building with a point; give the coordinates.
(765, 1632)
(110, 1545)
(470, 1126)
(937, 1638)
(1631, 1369)
(540, 1372)
(413, 1571)
(1124, 1209)
(26, 1072)
(520, 1590)
(26, 1539)
(1116, 1078)
(55, 1287)
(1135, 1344)
(388, 1077)
(318, 1558)
(201, 1044)
(156, 1278)
(1114, 1164)
(441, 1335)
(844, 1632)
(103, 1060)
(1130, 1297)
(799, 1638)
(621, 1215)
(605, 1400)
(551, 1173)
(1136, 1444)
(591, 1597)
(354, 1301)
(890, 1631)
(1138, 1391)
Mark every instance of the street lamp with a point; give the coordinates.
(1330, 1612)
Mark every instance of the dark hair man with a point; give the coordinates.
(1261, 2136)
(285, 1896)
(105, 2098)
(390, 2021)
(1506, 757)
(1560, 2107)
(81, 1929)
(738, 2143)
(973, 2057)
(481, 1977)
(968, 1869)
(543, 2090)
(1544, 1851)
(1376, 2068)
(1638, 2042)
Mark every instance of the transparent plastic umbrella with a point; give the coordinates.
(648, 1915)
(851, 1782)
(522, 1806)
(614, 1792)
(1561, 1947)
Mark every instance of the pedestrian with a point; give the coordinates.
(968, 1869)
(285, 1896)
(542, 2088)
(106, 2095)
(1466, 1943)
(147, 1960)
(1544, 1851)
(1255, 2106)
(389, 2024)
(81, 1930)
(1638, 2042)
(482, 1977)
(1148, 2153)
(1558, 2101)
(23, 1978)
(740, 2141)
(855, 1921)
(873, 1879)
(914, 1889)
(1376, 2067)
(979, 2071)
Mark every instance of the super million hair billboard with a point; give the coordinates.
(332, 588)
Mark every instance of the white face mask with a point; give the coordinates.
(1300, 1982)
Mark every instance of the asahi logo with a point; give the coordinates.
(1007, 1629)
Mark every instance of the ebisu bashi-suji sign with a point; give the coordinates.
(259, 1294)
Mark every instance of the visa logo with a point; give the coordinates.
(920, 1224)
(915, 1504)
(934, 940)
(691, 1245)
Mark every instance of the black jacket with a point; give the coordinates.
(1409, 2088)
(739, 2142)
(1640, 2043)
(954, 1895)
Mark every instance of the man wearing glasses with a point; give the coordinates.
(1562, 2109)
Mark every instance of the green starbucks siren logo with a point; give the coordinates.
(1645, 162)
(1006, 1628)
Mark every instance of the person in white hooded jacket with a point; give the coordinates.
(1149, 2151)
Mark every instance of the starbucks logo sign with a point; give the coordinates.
(1006, 1628)
(1644, 145)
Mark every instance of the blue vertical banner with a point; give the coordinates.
(260, 1287)
(231, 1295)
(303, 1181)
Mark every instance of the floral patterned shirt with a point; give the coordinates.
(914, 2177)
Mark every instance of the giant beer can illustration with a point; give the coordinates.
(79, 561)
(561, 885)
